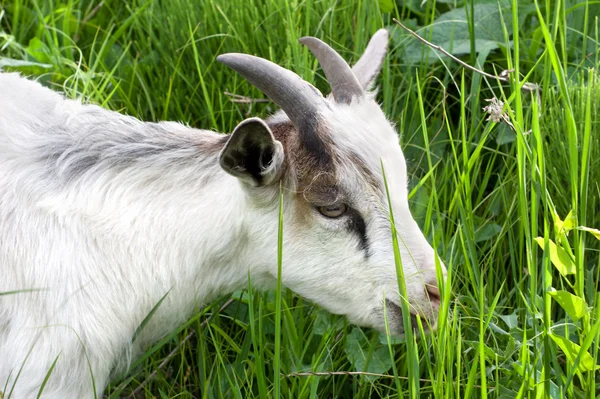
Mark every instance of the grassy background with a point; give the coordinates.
(492, 195)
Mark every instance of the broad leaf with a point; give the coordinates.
(386, 5)
(559, 257)
(572, 350)
(575, 307)
(563, 226)
(365, 357)
(451, 32)
(39, 50)
(511, 320)
(487, 232)
(594, 232)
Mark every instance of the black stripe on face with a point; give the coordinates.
(313, 144)
(356, 224)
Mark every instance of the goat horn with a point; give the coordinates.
(300, 100)
(343, 82)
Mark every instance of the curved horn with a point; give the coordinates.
(344, 85)
(299, 99)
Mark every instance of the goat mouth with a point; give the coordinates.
(395, 319)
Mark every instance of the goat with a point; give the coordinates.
(102, 216)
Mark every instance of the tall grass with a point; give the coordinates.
(502, 199)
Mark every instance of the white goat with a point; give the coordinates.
(102, 215)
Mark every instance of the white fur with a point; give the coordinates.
(96, 235)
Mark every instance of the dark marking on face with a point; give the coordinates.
(313, 143)
(310, 167)
(304, 143)
(313, 170)
(356, 224)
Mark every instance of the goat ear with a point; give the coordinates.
(252, 154)
(368, 66)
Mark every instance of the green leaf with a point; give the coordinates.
(412, 5)
(570, 221)
(594, 232)
(527, 372)
(572, 350)
(46, 378)
(421, 204)
(575, 306)
(326, 323)
(568, 224)
(487, 232)
(505, 134)
(148, 317)
(386, 5)
(365, 357)
(559, 257)
(11, 62)
(39, 50)
(451, 32)
(511, 320)
(21, 292)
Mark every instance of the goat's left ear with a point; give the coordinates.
(368, 66)
(252, 154)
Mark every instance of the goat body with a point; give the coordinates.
(102, 216)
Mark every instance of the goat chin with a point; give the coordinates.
(108, 223)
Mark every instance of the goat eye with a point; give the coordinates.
(333, 211)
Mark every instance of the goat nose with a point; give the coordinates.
(432, 289)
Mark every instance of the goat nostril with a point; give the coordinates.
(433, 290)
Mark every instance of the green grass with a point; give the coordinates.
(482, 190)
